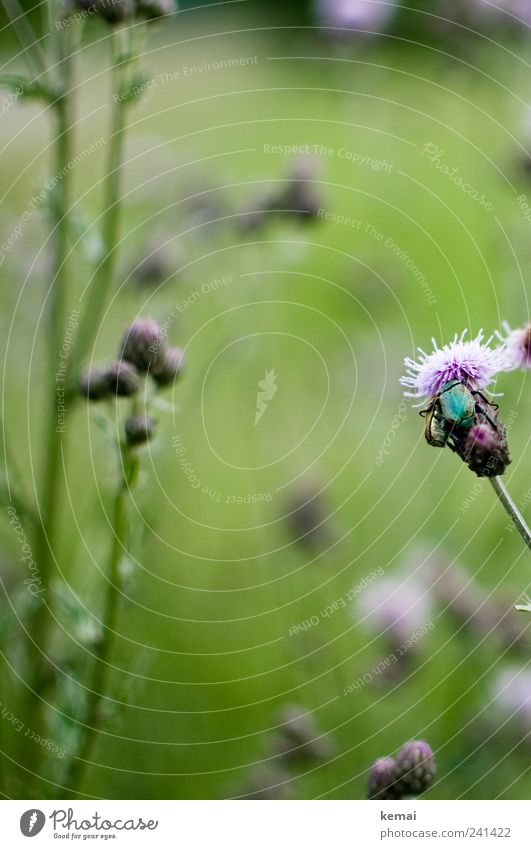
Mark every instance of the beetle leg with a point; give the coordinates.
(484, 413)
(483, 398)
(425, 412)
(450, 441)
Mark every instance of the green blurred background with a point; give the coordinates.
(216, 578)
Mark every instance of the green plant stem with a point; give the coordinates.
(511, 508)
(9, 497)
(101, 669)
(103, 275)
(45, 538)
(11, 490)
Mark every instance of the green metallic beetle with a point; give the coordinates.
(450, 419)
(452, 411)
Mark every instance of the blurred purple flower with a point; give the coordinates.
(362, 15)
(381, 782)
(395, 604)
(511, 693)
(501, 11)
(518, 345)
(483, 14)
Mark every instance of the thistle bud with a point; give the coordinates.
(139, 428)
(297, 723)
(170, 368)
(481, 438)
(306, 515)
(381, 783)
(479, 448)
(415, 768)
(143, 345)
(300, 200)
(113, 11)
(93, 384)
(300, 197)
(485, 448)
(154, 267)
(123, 379)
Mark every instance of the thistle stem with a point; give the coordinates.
(27, 38)
(53, 439)
(49, 508)
(11, 490)
(512, 510)
(101, 669)
(103, 275)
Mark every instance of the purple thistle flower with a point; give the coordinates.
(518, 345)
(472, 361)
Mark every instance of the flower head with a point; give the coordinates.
(472, 361)
(94, 384)
(118, 11)
(123, 379)
(518, 345)
(139, 428)
(170, 367)
(485, 449)
(143, 344)
(412, 772)
(480, 438)
(113, 11)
